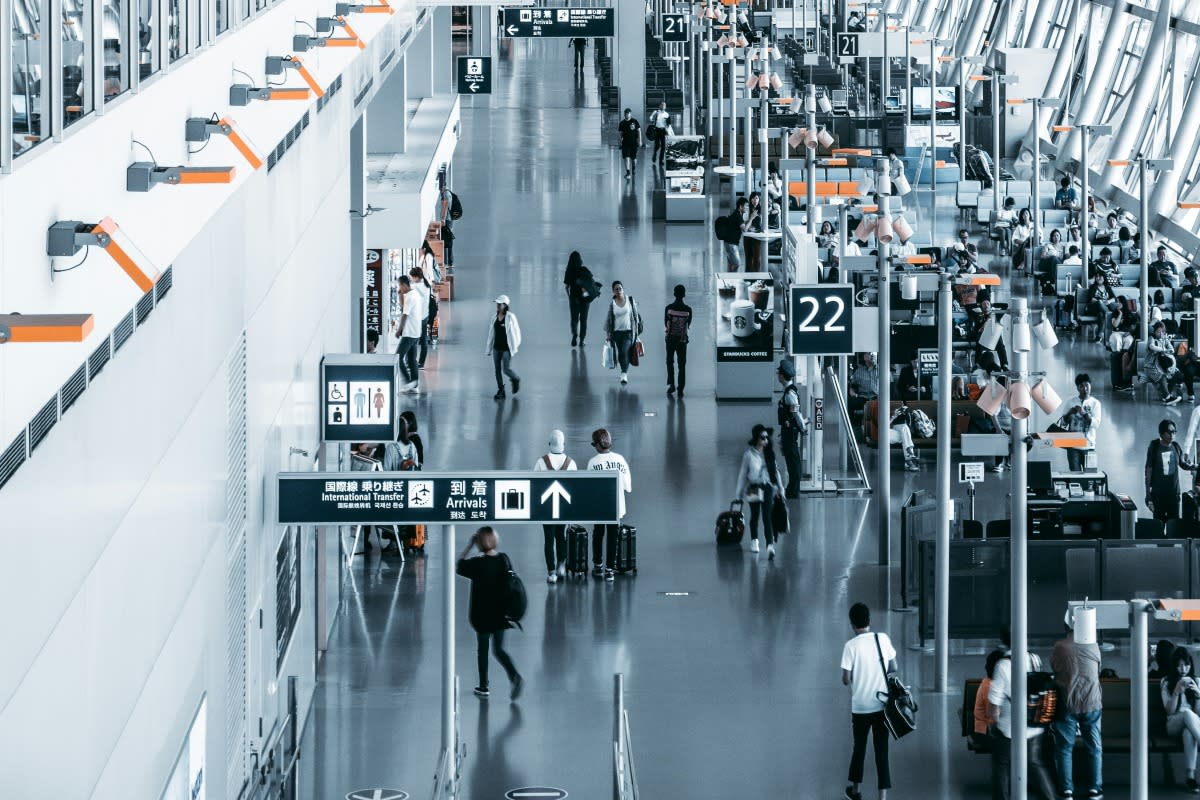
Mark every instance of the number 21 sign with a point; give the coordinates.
(820, 319)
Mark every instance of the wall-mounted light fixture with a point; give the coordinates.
(342, 9)
(142, 176)
(44, 328)
(67, 237)
(302, 42)
(327, 24)
(240, 94)
(276, 65)
(197, 130)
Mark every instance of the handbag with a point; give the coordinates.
(634, 355)
(899, 709)
(608, 356)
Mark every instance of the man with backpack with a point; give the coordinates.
(449, 209)
(1164, 459)
(867, 660)
(555, 536)
(1000, 716)
(677, 319)
(729, 232)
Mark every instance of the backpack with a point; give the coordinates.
(677, 325)
(433, 307)
(921, 423)
(587, 284)
(515, 601)
(721, 228)
(455, 207)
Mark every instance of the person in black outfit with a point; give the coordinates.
(1100, 301)
(488, 574)
(677, 318)
(631, 141)
(579, 283)
(1164, 459)
(410, 420)
(792, 425)
(580, 45)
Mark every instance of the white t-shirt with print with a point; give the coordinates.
(614, 462)
(868, 683)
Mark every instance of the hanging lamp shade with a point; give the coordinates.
(1044, 395)
(865, 228)
(1020, 405)
(824, 138)
(902, 228)
(796, 137)
(824, 105)
(991, 397)
(776, 82)
(883, 230)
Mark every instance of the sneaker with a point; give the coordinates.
(754, 545)
(597, 571)
(562, 569)
(516, 383)
(1192, 786)
(609, 575)
(851, 794)
(1095, 794)
(517, 686)
(670, 390)
(998, 468)
(624, 377)
(481, 691)
(499, 395)
(411, 388)
(1170, 400)
(574, 341)
(1066, 795)
(770, 552)
(552, 577)
(680, 391)
(912, 465)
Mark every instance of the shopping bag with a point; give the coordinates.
(608, 356)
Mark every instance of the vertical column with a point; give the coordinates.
(442, 49)
(1139, 743)
(941, 589)
(1097, 77)
(1019, 587)
(630, 58)
(883, 490)
(358, 245)
(448, 572)
(419, 59)
(386, 120)
(483, 30)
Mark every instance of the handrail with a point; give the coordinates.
(625, 785)
(445, 779)
(844, 414)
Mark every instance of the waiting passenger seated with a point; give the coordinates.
(1162, 271)
(1160, 369)
(979, 735)
(900, 432)
(863, 385)
(1181, 699)
(1107, 267)
(1100, 301)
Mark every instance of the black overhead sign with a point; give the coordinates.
(409, 498)
(561, 22)
(474, 74)
(674, 27)
(821, 317)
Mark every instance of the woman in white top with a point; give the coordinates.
(503, 342)
(555, 536)
(1022, 238)
(774, 184)
(1181, 699)
(622, 326)
(758, 484)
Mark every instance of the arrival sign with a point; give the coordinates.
(587, 23)
(409, 498)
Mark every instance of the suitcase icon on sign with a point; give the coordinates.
(513, 500)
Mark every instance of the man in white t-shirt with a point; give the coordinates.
(412, 326)
(555, 535)
(605, 460)
(863, 660)
(1000, 717)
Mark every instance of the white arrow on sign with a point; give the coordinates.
(555, 492)
(512, 30)
(474, 86)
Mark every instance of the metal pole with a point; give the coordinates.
(941, 596)
(1085, 247)
(810, 157)
(618, 733)
(997, 85)
(1018, 558)
(764, 126)
(448, 667)
(933, 64)
(1139, 743)
(720, 76)
(883, 496)
(908, 71)
(885, 82)
(1037, 186)
(963, 80)
(1144, 201)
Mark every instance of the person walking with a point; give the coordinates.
(555, 536)
(607, 460)
(581, 288)
(422, 286)
(580, 45)
(677, 319)
(757, 484)
(622, 326)
(754, 224)
(412, 322)
(999, 698)
(631, 141)
(731, 234)
(445, 216)
(488, 574)
(792, 424)
(867, 660)
(1164, 459)
(1076, 668)
(660, 125)
(503, 342)
(1084, 416)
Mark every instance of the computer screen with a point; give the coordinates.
(947, 102)
(892, 103)
(1039, 479)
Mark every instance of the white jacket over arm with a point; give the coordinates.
(512, 329)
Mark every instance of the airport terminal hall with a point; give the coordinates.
(599, 399)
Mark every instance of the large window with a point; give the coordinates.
(77, 67)
(115, 27)
(30, 105)
(148, 29)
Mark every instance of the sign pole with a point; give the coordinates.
(1019, 570)
(883, 496)
(448, 576)
(941, 597)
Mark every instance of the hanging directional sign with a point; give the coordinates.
(860, 45)
(474, 74)
(674, 27)
(821, 319)
(520, 23)
(409, 498)
(847, 45)
(358, 393)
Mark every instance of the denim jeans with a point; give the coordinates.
(1066, 729)
(623, 341)
(501, 361)
(407, 350)
(554, 538)
(605, 553)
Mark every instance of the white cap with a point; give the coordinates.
(502, 299)
(558, 442)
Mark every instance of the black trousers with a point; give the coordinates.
(660, 146)
(555, 537)
(578, 58)
(482, 640)
(862, 724)
(1166, 505)
(604, 553)
(676, 352)
(791, 457)
(763, 510)
(1038, 779)
(579, 316)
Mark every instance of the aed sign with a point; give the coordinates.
(521, 23)
(970, 472)
(674, 27)
(358, 392)
(821, 319)
(474, 74)
(431, 498)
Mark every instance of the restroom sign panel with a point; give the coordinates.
(358, 398)
(474, 75)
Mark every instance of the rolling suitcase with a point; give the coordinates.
(413, 537)
(731, 525)
(779, 516)
(626, 558)
(577, 551)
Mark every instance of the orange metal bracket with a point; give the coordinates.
(241, 143)
(308, 78)
(353, 34)
(982, 279)
(1180, 610)
(1060, 128)
(979, 77)
(1064, 439)
(289, 94)
(923, 258)
(194, 175)
(1188, 205)
(43, 328)
(1015, 101)
(117, 253)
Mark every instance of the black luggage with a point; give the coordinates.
(779, 516)
(731, 525)
(626, 558)
(577, 551)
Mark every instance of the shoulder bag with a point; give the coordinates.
(900, 709)
(515, 599)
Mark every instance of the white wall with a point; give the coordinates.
(112, 560)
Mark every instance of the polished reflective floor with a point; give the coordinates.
(731, 663)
